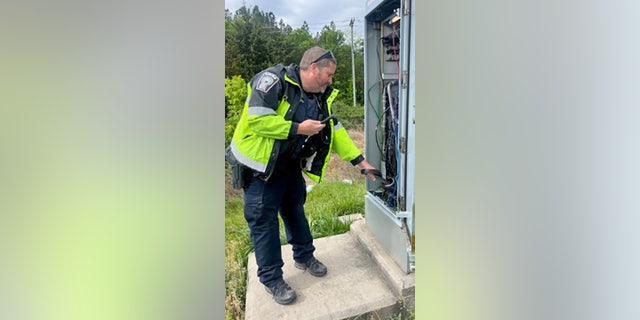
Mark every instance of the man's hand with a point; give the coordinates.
(366, 165)
(310, 127)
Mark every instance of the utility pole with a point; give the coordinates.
(353, 65)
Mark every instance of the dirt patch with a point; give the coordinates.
(229, 191)
(337, 169)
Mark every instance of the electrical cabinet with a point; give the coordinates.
(389, 57)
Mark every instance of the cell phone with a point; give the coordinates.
(325, 120)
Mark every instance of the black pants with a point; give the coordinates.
(284, 192)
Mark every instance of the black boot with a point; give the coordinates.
(282, 293)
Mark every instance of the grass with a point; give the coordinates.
(330, 200)
(325, 204)
(237, 249)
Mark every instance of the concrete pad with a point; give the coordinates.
(403, 284)
(353, 285)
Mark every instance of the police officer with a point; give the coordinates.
(280, 136)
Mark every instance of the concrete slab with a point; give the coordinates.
(403, 284)
(353, 287)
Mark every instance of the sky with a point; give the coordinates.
(316, 13)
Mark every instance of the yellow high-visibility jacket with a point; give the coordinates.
(274, 95)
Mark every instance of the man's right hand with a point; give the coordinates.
(310, 127)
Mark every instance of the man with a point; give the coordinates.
(279, 136)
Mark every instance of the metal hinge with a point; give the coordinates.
(405, 79)
(401, 203)
(403, 214)
(403, 144)
(406, 11)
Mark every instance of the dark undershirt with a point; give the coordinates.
(291, 148)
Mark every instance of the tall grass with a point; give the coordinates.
(237, 248)
(325, 204)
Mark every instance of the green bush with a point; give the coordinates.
(351, 117)
(235, 93)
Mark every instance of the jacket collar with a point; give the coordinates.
(293, 73)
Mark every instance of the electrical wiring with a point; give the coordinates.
(377, 113)
(393, 143)
(390, 142)
(387, 116)
(397, 135)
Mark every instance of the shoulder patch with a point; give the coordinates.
(267, 81)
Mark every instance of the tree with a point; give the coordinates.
(358, 49)
(255, 40)
(333, 39)
(330, 37)
(297, 42)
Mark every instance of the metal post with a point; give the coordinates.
(353, 65)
